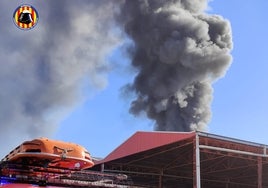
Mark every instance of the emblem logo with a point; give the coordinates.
(25, 17)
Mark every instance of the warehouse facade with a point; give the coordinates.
(188, 160)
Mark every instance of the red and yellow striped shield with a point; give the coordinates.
(25, 17)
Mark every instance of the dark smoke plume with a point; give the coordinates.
(179, 51)
(43, 69)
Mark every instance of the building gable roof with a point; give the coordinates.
(142, 141)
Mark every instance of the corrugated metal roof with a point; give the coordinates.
(142, 141)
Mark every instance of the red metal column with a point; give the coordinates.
(196, 163)
(259, 172)
(160, 179)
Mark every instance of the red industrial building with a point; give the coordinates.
(188, 160)
(156, 160)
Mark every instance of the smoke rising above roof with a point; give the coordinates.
(179, 51)
(43, 70)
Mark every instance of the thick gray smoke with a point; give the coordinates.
(179, 51)
(43, 69)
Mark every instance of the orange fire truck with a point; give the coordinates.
(46, 162)
(51, 153)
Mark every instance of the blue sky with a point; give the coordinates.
(240, 98)
(239, 107)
